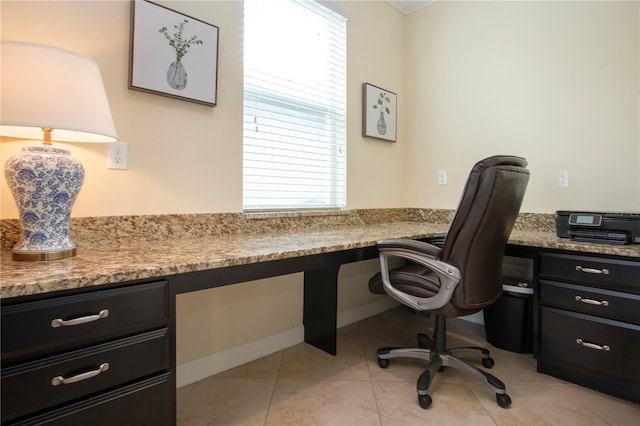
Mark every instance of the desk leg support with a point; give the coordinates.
(321, 308)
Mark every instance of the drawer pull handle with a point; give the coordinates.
(592, 270)
(59, 380)
(592, 302)
(581, 342)
(58, 322)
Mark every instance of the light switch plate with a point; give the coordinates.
(442, 177)
(563, 178)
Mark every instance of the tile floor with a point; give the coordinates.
(305, 386)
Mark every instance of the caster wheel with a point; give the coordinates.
(424, 401)
(503, 400)
(383, 363)
(488, 362)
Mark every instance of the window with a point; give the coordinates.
(294, 106)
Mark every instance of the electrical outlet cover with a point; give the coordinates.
(117, 155)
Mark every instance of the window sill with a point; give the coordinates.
(275, 214)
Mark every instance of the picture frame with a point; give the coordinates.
(173, 54)
(379, 113)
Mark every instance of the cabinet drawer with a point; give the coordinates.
(591, 270)
(46, 383)
(146, 403)
(37, 327)
(590, 300)
(595, 345)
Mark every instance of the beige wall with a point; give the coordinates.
(211, 321)
(183, 157)
(472, 79)
(375, 168)
(187, 158)
(240, 314)
(556, 82)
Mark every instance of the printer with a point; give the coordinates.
(599, 227)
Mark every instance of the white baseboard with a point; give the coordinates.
(365, 311)
(201, 368)
(192, 371)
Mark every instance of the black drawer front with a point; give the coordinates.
(598, 271)
(146, 403)
(559, 344)
(590, 300)
(27, 328)
(30, 387)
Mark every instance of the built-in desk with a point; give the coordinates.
(104, 287)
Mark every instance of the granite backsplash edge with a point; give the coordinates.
(97, 229)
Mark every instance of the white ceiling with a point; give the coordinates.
(408, 6)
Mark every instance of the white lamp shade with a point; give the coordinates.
(49, 87)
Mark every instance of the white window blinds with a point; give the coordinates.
(294, 106)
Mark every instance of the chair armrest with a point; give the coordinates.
(411, 246)
(423, 254)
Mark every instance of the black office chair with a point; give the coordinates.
(463, 276)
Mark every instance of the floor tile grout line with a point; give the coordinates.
(493, 419)
(371, 381)
(273, 389)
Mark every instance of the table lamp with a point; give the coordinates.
(56, 95)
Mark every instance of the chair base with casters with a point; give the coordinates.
(437, 355)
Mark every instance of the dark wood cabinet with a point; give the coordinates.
(589, 321)
(144, 403)
(102, 355)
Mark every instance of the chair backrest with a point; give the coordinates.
(480, 229)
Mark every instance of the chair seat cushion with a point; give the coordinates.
(412, 279)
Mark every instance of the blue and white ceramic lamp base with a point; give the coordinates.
(45, 182)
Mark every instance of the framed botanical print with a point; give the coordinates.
(173, 54)
(379, 113)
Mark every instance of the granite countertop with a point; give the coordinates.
(111, 262)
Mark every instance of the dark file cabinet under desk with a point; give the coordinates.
(98, 357)
(589, 322)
